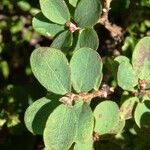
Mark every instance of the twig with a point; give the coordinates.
(72, 27)
(70, 97)
(116, 31)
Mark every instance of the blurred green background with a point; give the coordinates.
(19, 88)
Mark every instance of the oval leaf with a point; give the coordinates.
(85, 124)
(60, 130)
(55, 10)
(106, 117)
(43, 26)
(119, 127)
(51, 68)
(36, 115)
(127, 108)
(63, 41)
(89, 38)
(141, 58)
(142, 114)
(126, 76)
(86, 69)
(87, 13)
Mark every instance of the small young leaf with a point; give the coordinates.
(60, 130)
(45, 27)
(55, 10)
(121, 59)
(86, 69)
(36, 115)
(73, 2)
(127, 108)
(126, 76)
(141, 58)
(89, 38)
(106, 117)
(87, 13)
(85, 124)
(84, 146)
(63, 41)
(142, 114)
(51, 68)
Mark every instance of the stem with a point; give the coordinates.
(72, 27)
(114, 29)
(70, 97)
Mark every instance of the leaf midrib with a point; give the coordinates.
(57, 78)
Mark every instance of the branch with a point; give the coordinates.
(114, 29)
(70, 97)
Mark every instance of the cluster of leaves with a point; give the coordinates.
(71, 23)
(57, 20)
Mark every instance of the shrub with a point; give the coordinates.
(71, 69)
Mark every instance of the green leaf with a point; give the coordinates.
(55, 10)
(86, 69)
(106, 117)
(36, 115)
(98, 82)
(127, 108)
(126, 76)
(63, 41)
(24, 5)
(85, 124)
(89, 38)
(45, 27)
(141, 58)
(84, 146)
(73, 2)
(51, 68)
(121, 59)
(118, 127)
(60, 130)
(87, 13)
(142, 114)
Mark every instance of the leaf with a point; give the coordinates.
(126, 76)
(24, 5)
(142, 114)
(63, 41)
(60, 130)
(118, 127)
(89, 38)
(106, 117)
(36, 115)
(86, 69)
(121, 59)
(51, 68)
(141, 58)
(98, 83)
(87, 13)
(85, 124)
(73, 2)
(127, 108)
(45, 27)
(84, 146)
(55, 10)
